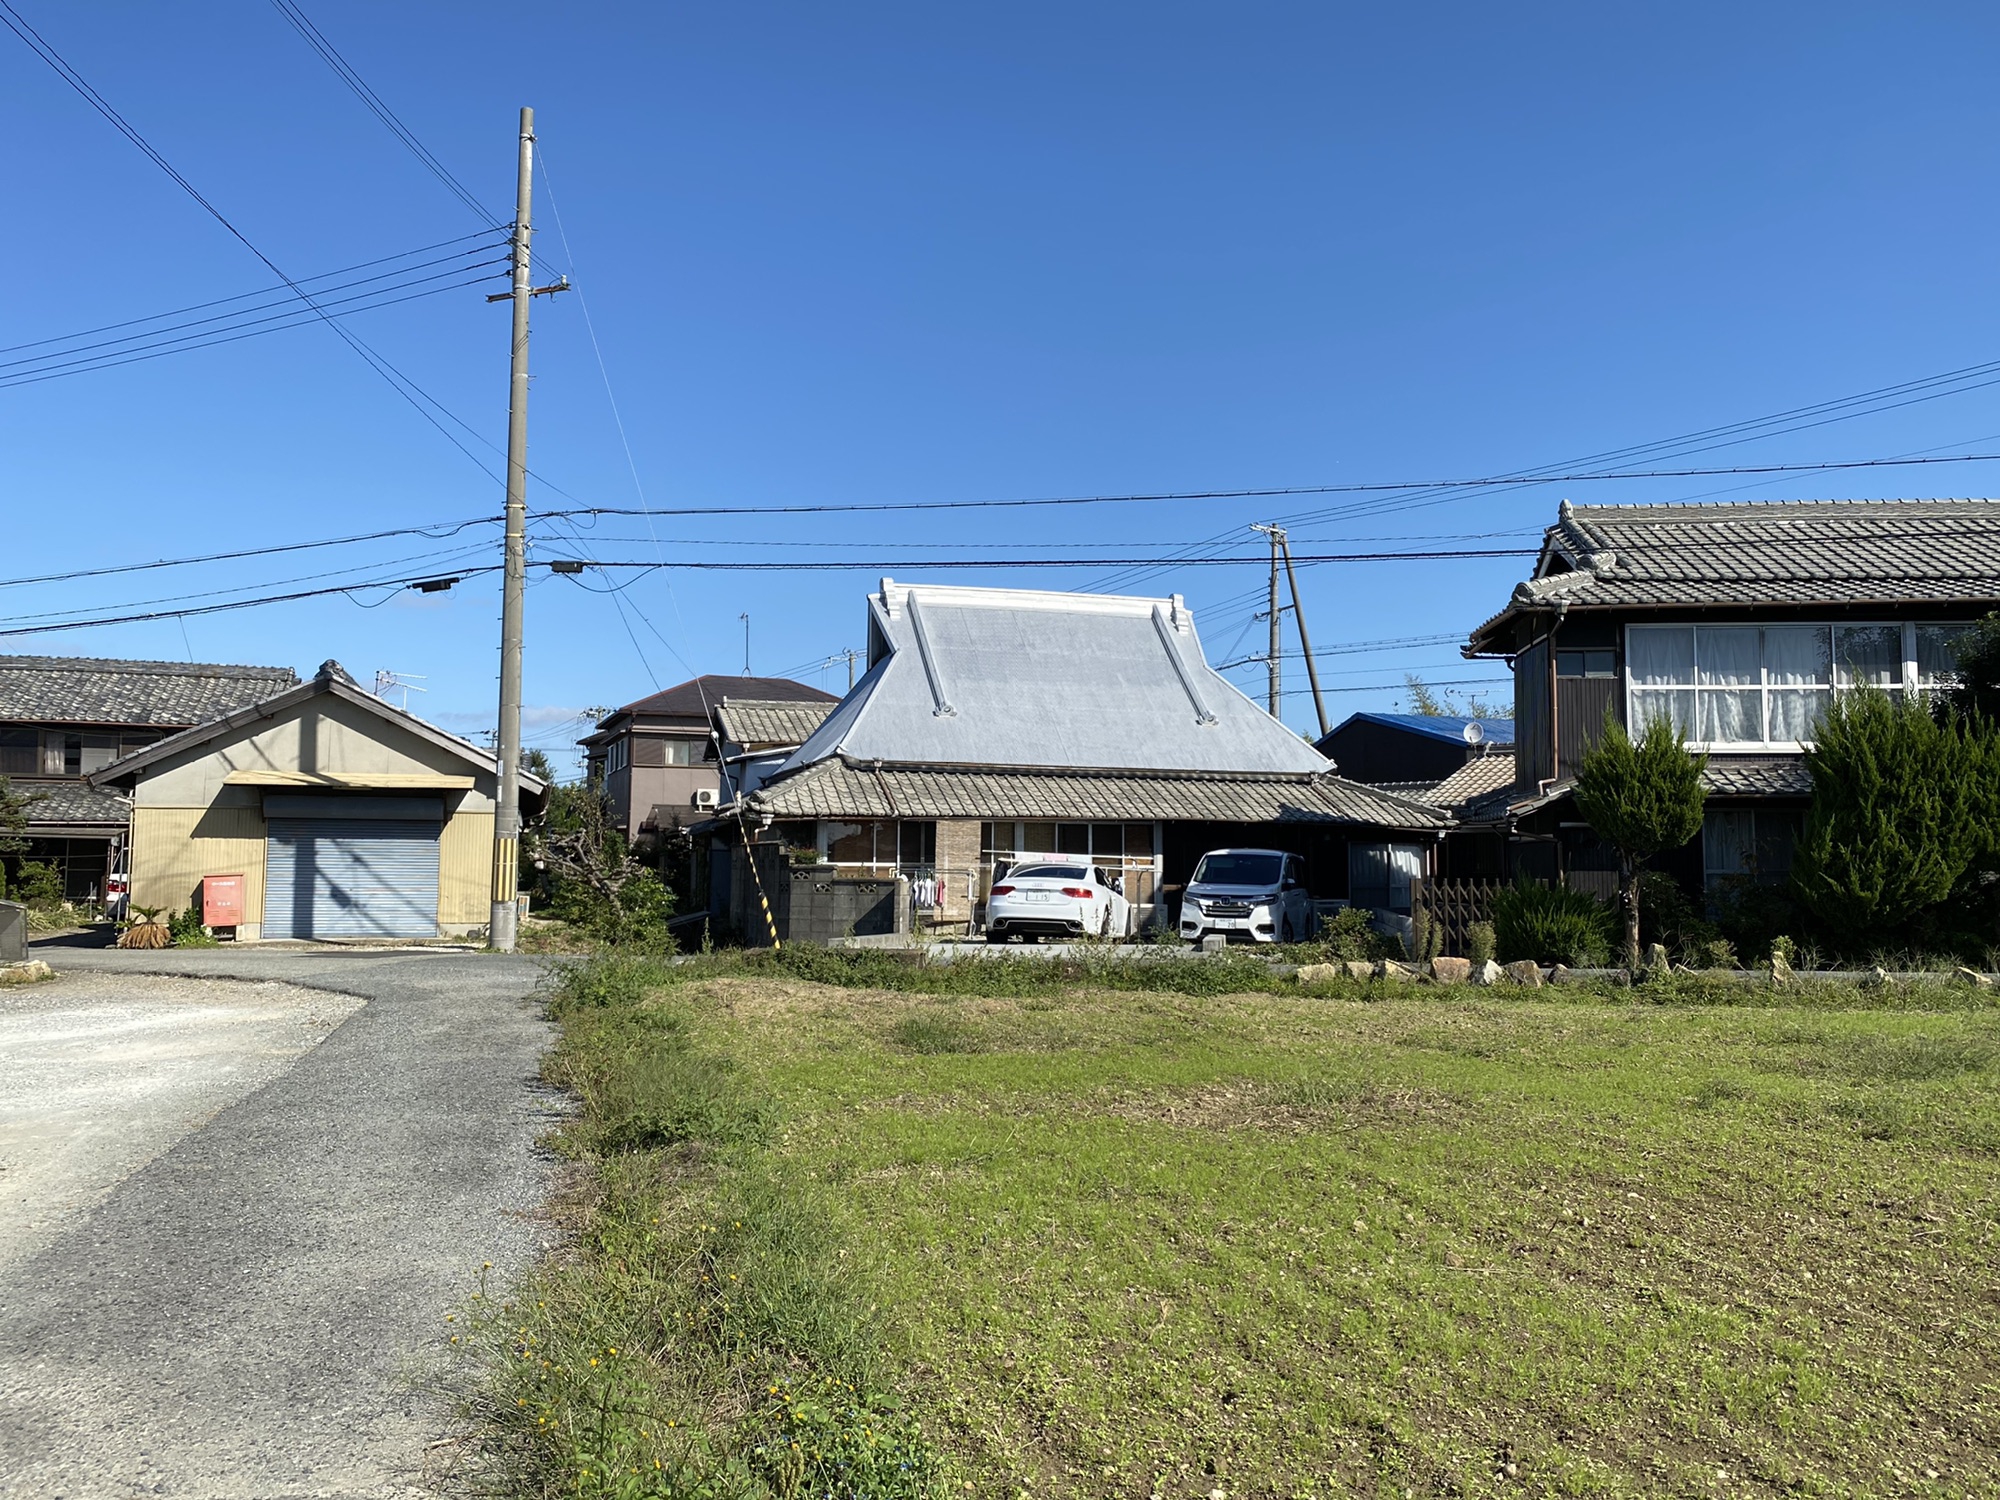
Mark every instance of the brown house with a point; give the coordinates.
(656, 759)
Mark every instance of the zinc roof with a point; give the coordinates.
(103, 690)
(1016, 677)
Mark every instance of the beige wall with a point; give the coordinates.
(324, 734)
(173, 848)
(188, 822)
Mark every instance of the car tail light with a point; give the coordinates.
(1078, 891)
(1003, 890)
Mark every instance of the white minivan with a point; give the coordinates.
(1249, 896)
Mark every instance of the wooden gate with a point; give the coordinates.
(1450, 907)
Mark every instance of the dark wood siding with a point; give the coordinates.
(1370, 752)
(1533, 753)
(1580, 706)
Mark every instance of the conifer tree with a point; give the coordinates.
(1640, 799)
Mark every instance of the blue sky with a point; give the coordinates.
(883, 253)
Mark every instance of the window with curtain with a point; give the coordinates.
(1769, 685)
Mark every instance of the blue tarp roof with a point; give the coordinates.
(1439, 726)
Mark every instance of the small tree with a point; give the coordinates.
(1902, 813)
(1640, 799)
(13, 818)
(1976, 694)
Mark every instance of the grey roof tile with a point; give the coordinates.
(95, 690)
(73, 803)
(837, 788)
(764, 721)
(1765, 553)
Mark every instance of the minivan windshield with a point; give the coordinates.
(1238, 869)
(1047, 872)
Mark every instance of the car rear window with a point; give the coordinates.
(1048, 872)
(1238, 869)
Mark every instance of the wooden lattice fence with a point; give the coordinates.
(1448, 908)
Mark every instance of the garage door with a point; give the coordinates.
(350, 877)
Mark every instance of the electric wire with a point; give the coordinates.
(403, 385)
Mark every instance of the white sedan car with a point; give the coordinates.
(1054, 899)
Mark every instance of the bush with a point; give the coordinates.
(1552, 925)
(1351, 934)
(1481, 943)
(37, 885)
(185, 930)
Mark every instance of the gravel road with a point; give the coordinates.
(254, 1203)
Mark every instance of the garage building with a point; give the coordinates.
(346, 817)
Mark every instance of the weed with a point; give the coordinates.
(933, 1032)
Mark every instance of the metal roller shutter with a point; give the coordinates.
(350, 877)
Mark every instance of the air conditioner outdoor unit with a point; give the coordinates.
(706, 796)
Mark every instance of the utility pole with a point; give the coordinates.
(1277, 698)
(1305, 641)
(503, 918)
(746, 643)
(850, 653)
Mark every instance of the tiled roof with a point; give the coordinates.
(1771, 553)
(93, 690)
(764, 721)
(73, 802)
(695, 698)
(1757, 776)
(1475, 781)
(836, 788)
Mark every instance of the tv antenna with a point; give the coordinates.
(405, 682)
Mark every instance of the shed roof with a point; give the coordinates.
(841, 788)
(73, 804)
(1761, 554)
(1025, 678)
(1475, 781)
(1436, 726)
(763, 721)
(104, 690)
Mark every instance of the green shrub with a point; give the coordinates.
(36, 885)
(1351, 934)
(1481, 944)
(185, 930)
(1552, 925)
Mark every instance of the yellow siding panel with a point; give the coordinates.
(465, 870)
(173, 848)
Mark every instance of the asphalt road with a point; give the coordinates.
(258, 1310)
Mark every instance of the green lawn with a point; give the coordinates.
(1136, 1243)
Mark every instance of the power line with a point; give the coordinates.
(316, 39)
(234, 604)
(381, 260)
(405, 387)
(437, 532)
(1259, 494)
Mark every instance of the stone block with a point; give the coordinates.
(1560, 974)
(1215, 942)
(1319, 973)
(33, 971)
(1488, 973)
(1526, 971)
(1972, 977)
(1656, 958)
(1451, 970)
(1359, 968)
(1390, 968)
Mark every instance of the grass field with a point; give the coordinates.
(1132, 1243)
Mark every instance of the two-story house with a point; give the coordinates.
(64, 717)
(1739, 623)
(657, 760)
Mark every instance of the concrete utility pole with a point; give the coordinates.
(507, 814)
(1277, 696)
(1305, 642)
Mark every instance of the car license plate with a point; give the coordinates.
(1038, 895)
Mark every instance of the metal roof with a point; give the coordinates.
(101, 690)
(1015, 677)
(844, 789)
(1436, 726)
(762, 721)
(1764, 553)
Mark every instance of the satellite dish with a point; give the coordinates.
(1474, 732)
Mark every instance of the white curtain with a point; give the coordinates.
(1869, 653)
(1661, 655)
